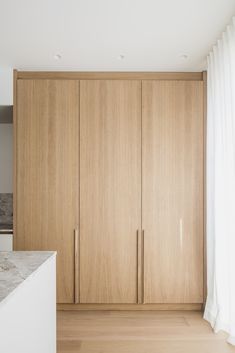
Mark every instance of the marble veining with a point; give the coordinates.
(16, 266)
(6, 209)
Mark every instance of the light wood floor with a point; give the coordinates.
(137, 332)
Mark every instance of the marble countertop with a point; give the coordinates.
(17, 266)
(6, 225)
(6, 229)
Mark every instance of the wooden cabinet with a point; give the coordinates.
(110, 190)
(172, 191)
(46, 189)
(109, 172)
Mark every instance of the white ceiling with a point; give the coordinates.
(91, 34)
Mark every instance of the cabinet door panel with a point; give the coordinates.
(47, 136)
(110, 190)
(173, 191)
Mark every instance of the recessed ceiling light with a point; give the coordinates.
(184, 56)
(121, 57)
(57, 57)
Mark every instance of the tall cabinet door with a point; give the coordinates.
(47, 142)
(173, 191)
(110, 190)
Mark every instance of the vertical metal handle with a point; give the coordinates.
(76, 266)
(139, 279)
(140, 267)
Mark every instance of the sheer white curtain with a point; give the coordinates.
(220, 305)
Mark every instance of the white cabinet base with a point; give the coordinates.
(6, 242)
(28, 314)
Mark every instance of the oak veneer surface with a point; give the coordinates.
(137, 332)
(47, 173)
(108, 75)
(110, 190)
(172, 191)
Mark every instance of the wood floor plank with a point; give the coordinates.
(137, 332)
(144, 347)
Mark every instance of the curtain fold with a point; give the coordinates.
(220, 305)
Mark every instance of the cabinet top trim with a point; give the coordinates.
(191, 76)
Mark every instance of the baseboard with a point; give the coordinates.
(193, 306)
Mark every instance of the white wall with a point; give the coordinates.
(6, 132)
(6, 86)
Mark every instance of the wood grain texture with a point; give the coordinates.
(47, 173)
(173, 191)
(107, 75)
(137, 332)
(110, 190)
